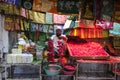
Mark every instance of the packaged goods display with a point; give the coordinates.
(19, 58)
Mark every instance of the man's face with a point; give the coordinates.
(58, 32)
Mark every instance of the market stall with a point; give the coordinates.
(27, 26)
(93, 62)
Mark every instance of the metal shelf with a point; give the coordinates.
(96, 76)
(25, 79)
(58, 77)
(95, 70)
(22, 74)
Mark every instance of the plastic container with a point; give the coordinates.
(69, 69)
(52, 69)
(68, 72)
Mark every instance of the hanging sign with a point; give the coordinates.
(45, 6)
(87, 9)
(84, 23)
(107, 9)
(13, 1)
(68, 6)
(39, 17)
(59, 19)
(27, 4)
(97, 12)
(49, 18)
(116, 29)
(116, 11)
(23, 12)
(104, 24)
(3, 0)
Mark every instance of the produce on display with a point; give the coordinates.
(89, 49)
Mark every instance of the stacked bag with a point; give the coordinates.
(18, 57)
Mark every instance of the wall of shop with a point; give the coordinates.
(4, 44)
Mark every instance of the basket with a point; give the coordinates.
(69, 69)
(52, 70)
(68, 72)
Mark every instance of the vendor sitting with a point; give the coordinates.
(59, 42)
